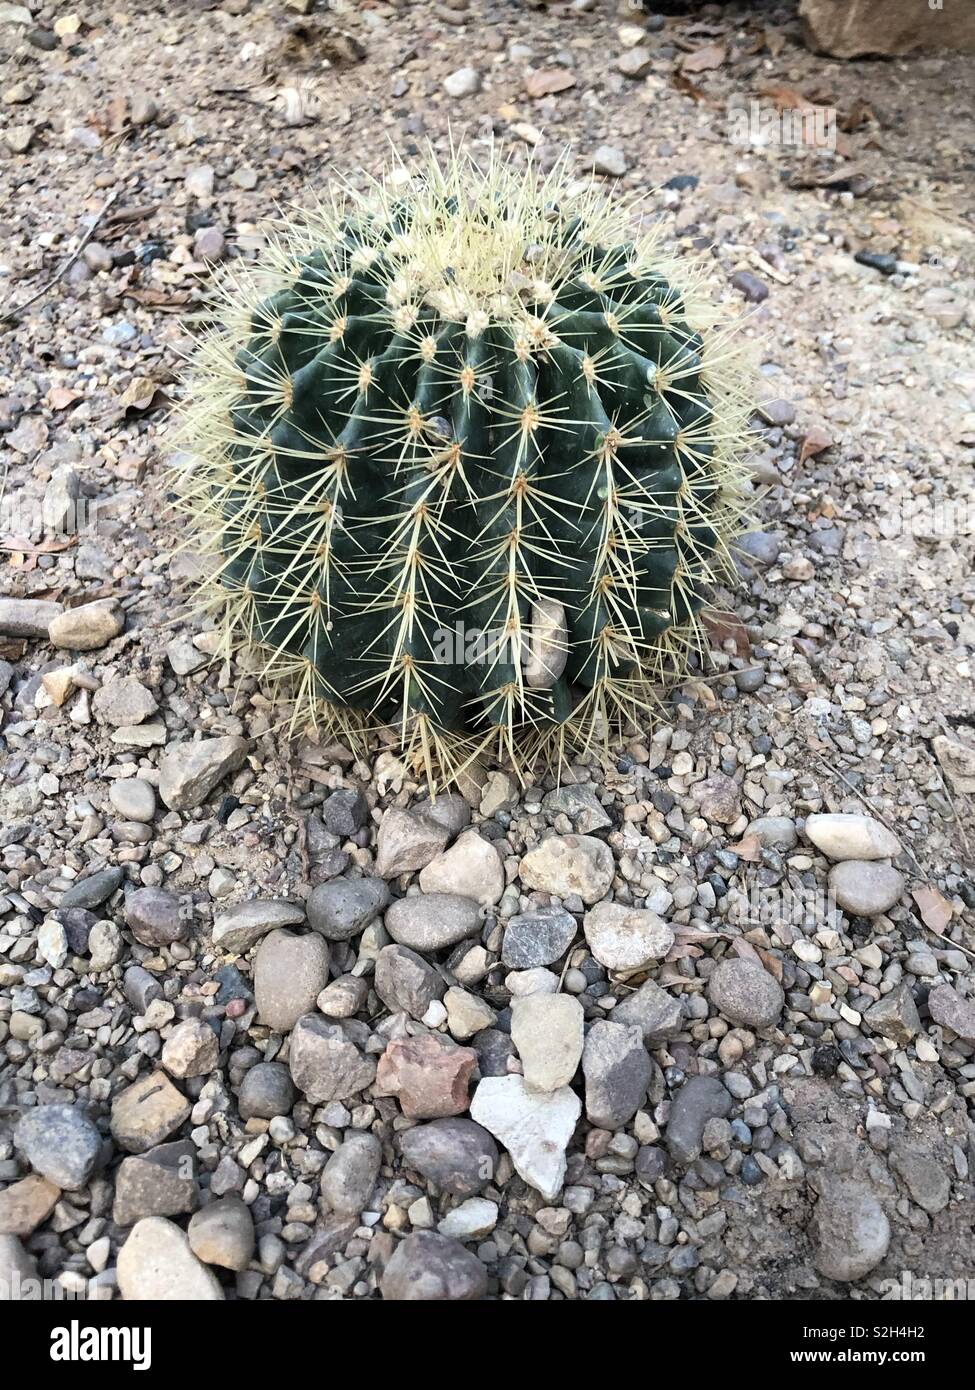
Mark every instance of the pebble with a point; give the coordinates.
(52, 943)
(569, 864)
(865, 888)
(345, 907)
(157, 1264)
(465, 82)
(428, 1074)
(60, 1142)
(467, 1013)
(534, 1127)
(87, 628)
(121, 703)
(27, 617)
(154, 918)
(719, 798)
(160, 1182)
(850, 1234)
(325, 1062)
(700, 1099)
(581, 805)
(92, 891)
(851, 837)
(222, 1234)
(432, 921)
(745, 993)
(427, 1267)
(192, 1049)
(617, 1068)
(240, 926)
(626, 939)
(344, 997)
(188, 772)
(407, 841)
(951, 1010)
(754, 289)
(458, 1155)
(656, 1013)
(547, 1030)
(471, 867)
(199, 181)
(404, 981)
(471, 1220)
(345, 812)
(539, 938)
(147, 1112)
(775, 832)
(133, 798)
(290, 971)
(609, 160)
(266, 1090)
(26, 1204)
(349, 1176)
(895, 1016)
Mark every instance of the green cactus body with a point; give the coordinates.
(468, 458)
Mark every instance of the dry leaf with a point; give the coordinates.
(705, 59)
(815, 441)
(685, 85)
(546, 81)
(935, 909)
(749, 848)
(724, 627)
(60, 397)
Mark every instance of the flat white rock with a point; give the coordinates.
(535, 1127)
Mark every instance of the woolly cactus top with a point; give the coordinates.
(467, 455)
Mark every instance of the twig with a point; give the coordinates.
(18, 309)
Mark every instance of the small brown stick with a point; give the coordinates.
(18, 309)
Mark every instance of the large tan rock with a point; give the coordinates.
(850, 28)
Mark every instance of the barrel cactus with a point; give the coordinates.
(467, 456)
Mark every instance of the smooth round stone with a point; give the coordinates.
(864, 888)
(428, 1267)
(432, 921)
(133, 798)
(842, 836)
(850, 1234)
(344, 907)
(223, 1233)
(60, 1142)
(456, 1154)
(290, 972)
(154, 917)
(745, 993)
(267, 1090)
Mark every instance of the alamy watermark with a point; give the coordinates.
(59, 519)
(914, 1289)
(754, 124)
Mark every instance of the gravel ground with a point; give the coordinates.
(698, 1025)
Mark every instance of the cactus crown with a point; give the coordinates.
(467, 456)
